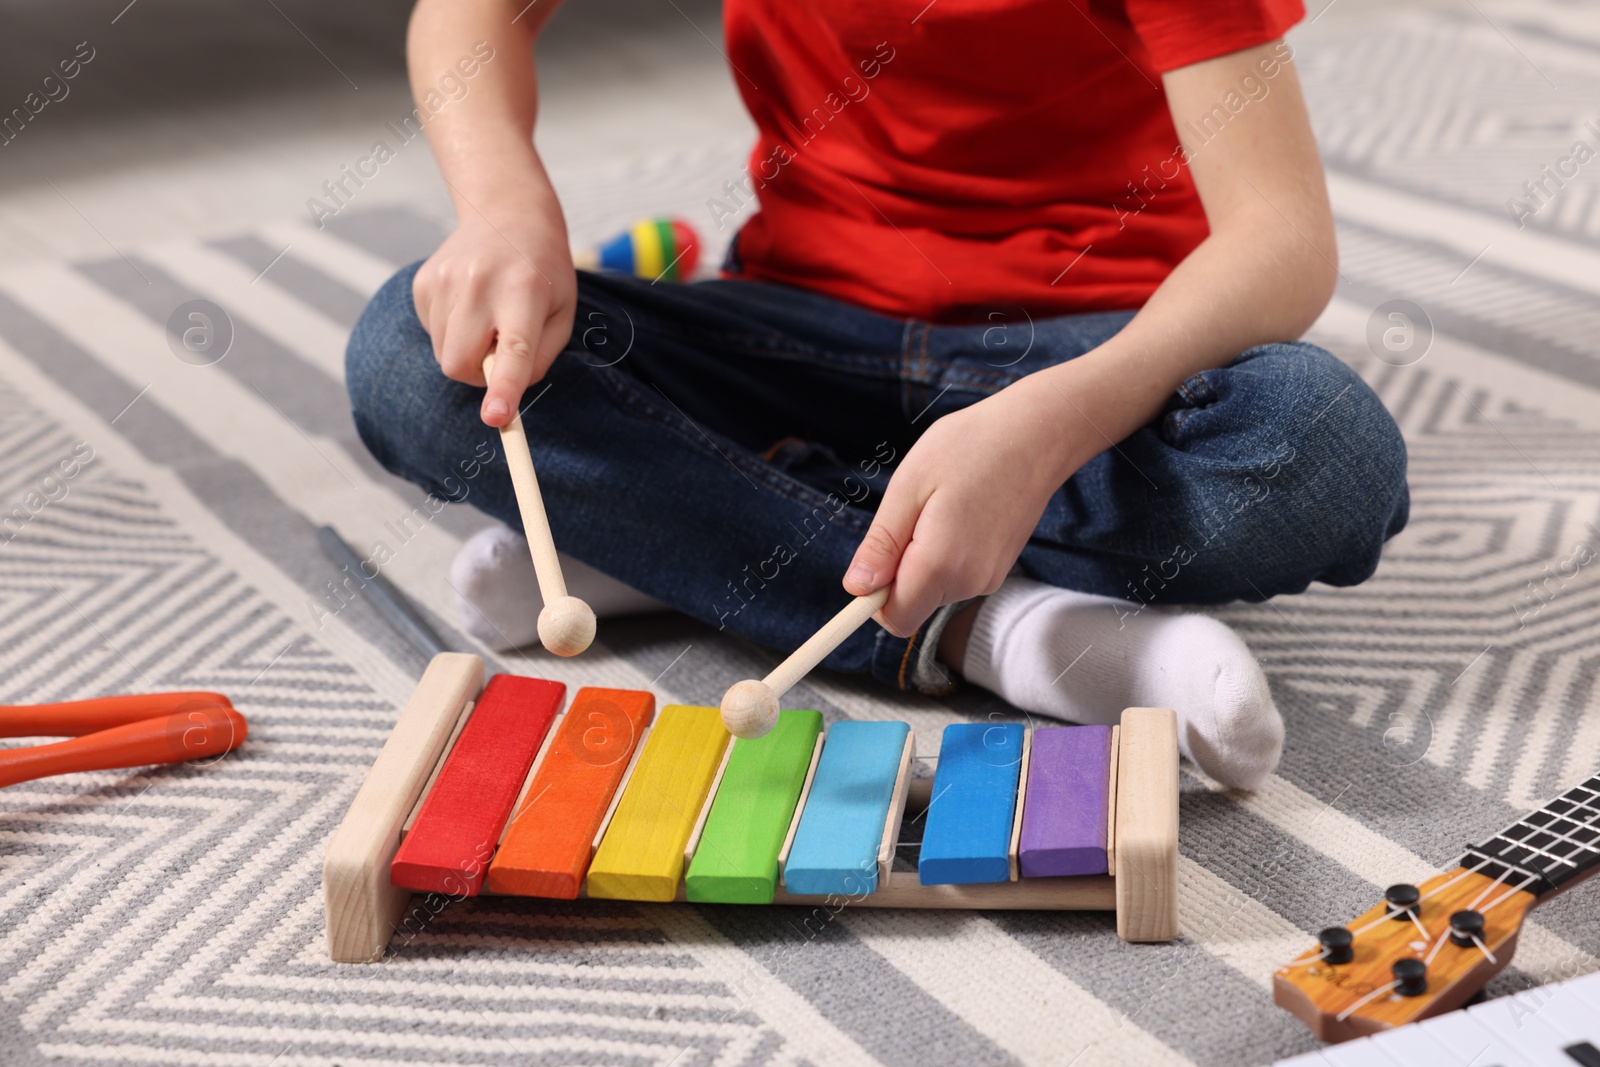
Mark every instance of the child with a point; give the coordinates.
(1013, 330)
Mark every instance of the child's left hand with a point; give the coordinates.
(967, 497)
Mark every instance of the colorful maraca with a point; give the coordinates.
(664, 249)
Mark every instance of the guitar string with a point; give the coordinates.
(1474, 907)
(1437, 945)
(1443, 937)
(1440, 944)
(1394, 913)
(1591, 793)
(1323, 954)
(1305, 962)
(1513, 891)
(1590, 821)
(1435, 891)
(1364, 1001)
(1491, 888)
(1533, 875)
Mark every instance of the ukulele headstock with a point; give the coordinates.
(1350, 985)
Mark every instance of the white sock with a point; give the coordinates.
(1084, 658)
(497, 592)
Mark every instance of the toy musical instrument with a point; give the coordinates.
(658, 249)
(494, 789)
(1427, 949)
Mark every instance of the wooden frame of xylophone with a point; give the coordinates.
(364, 908)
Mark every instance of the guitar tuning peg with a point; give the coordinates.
(1336, 944)
(1466, 928)
(1410, 976)
(1402, 899)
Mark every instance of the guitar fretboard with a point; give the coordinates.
(1547, 849)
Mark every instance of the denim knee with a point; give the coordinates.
(1300, 474)
(1376, 488)
(1355, 491)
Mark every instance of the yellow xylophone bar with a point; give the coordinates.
(365, 909)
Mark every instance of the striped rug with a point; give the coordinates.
(175, 917)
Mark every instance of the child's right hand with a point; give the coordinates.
(505, 282)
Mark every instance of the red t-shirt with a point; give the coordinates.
(944, 160)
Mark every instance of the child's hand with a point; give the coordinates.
(966, 499)
(508, 283)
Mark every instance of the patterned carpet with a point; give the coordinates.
(176, 917)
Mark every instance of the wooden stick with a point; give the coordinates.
(566, 624)
(750, 707)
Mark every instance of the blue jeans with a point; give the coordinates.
(721, 446)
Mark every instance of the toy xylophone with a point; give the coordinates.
(499, 792)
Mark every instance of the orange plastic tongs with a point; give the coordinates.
(119, 731)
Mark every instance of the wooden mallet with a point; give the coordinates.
(750, 707)
(566, 624)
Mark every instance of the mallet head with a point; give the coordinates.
(566, 626)
(750, 709)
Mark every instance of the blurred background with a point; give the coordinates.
(198, 118)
